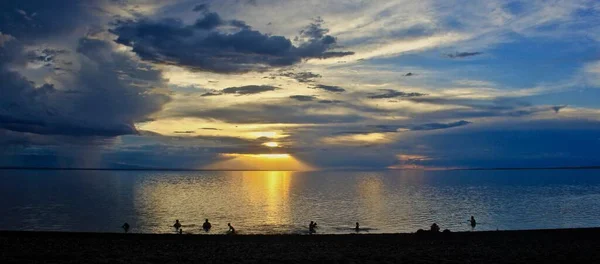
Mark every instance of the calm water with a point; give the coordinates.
(284, 202)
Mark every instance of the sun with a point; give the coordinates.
(271, 144)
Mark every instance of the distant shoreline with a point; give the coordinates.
(341, 169)
(578, 245)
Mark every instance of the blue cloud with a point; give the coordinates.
(203, 47)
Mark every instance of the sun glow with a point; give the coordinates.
(266, 156)
(267, 134)
(271, 161)
(271, 144)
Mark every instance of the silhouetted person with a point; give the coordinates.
(177, 225)
(206, 226)
(357, 228)
(473, 222)
(180, 231)
(231, 229)
(125, 227)
(435, 228)
(311, 227)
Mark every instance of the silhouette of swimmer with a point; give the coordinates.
(125, 227)
(206, 226)
(311, 227)
(435, 228)
(177, 225)
(473, 222)
(231, 229)
(357, 228)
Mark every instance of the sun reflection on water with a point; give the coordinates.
(269, 191)
(254, 201)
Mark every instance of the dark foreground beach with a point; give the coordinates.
(535, 246)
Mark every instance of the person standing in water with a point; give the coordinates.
(311, 227)
(206, 226)
(357, 228)
(125, 227)
(231, 229)
(473, 222)
(177, 225)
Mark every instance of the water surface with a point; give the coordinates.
(284, 202)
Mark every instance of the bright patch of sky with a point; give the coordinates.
(334, 84)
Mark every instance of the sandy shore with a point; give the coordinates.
(534, 246)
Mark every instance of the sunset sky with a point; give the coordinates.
(298, 85)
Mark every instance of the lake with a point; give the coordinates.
(285, 202)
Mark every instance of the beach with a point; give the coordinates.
(532, 246)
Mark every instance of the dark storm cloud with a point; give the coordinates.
(204, 46)
(458, 55)
(209, 21)
(329, 88)
(243, 90)
(28, 20)
(105, 97)
(303, 98)
(388, 93)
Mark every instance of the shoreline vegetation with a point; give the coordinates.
(577, 245)
(341, 169)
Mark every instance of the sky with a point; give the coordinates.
(299, 85)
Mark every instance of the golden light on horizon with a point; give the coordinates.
(271, 144)
(266, 156)
(266, 161)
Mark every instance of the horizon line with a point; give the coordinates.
(327, 169)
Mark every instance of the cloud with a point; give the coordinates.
(28, 20)
(403, 128)
(258, 113)
(458, 55)
(329, 101)
(435, 126)
(213, 93)
(243, 90)
(389, 93)
(303, 77)
(249, 89)
(105, 97)
(200, 8)
(184, 132)
(303, 98)
(557, 108)
(207, 46)
(329, 88)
